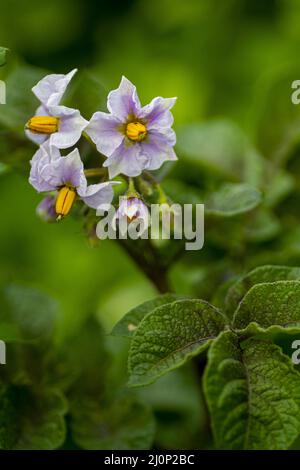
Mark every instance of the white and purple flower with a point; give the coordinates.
(50, 171)
(134, 138)
(131, 210)
(59, 125)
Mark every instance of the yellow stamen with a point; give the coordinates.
(136, 131)
(65, 200)
(43, 124)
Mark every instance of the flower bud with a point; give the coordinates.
(46, 209)
(132, 210)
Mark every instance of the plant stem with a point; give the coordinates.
(91, 172)
(148, 261)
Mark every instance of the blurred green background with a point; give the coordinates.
(234, 59)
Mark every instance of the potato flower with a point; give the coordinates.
(50, 171)
(134, 138)
(59, 125)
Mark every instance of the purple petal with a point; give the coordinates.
(132, 207)
(51, 88)
(104, 130)
(159, 148)
(42, 111)
(65, 170)
(162, 137)
(42, 159)
(97, 194)
(157, 113)
(70, 129)
(46, 209)
(38, 139)
(124, 101)
(126, 159)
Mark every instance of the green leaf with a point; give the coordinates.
(253, 396)
(129, 323)
(262, 226)
(169, 336)
(280, 186)
(102, 414)
(259, 275)
(126, 424)
(177, 401)
(232, 200)
(31, 420)
(269, 305)
(222, 148)
(83, 361)
(3, 52)
(182, 193)
(32, 311)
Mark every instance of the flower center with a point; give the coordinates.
(136, 131)
(65, 200)
(43, 124)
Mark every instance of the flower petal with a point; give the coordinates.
(157, 113)
(132, 207)
(51, 88)
(40, 164)
(38, 139)
(65, 170)
(126, 159)
(124, 101)
(97, 194)
(159, 149)
(71, 126)
(104, 131)
(162, 137)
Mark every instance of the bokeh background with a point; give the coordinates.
(232, 61)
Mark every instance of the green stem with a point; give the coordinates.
(163, 198)
(132, 192)
(148, 261)
(91, 172)
(87, 137)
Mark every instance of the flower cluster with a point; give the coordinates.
(131, 137)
